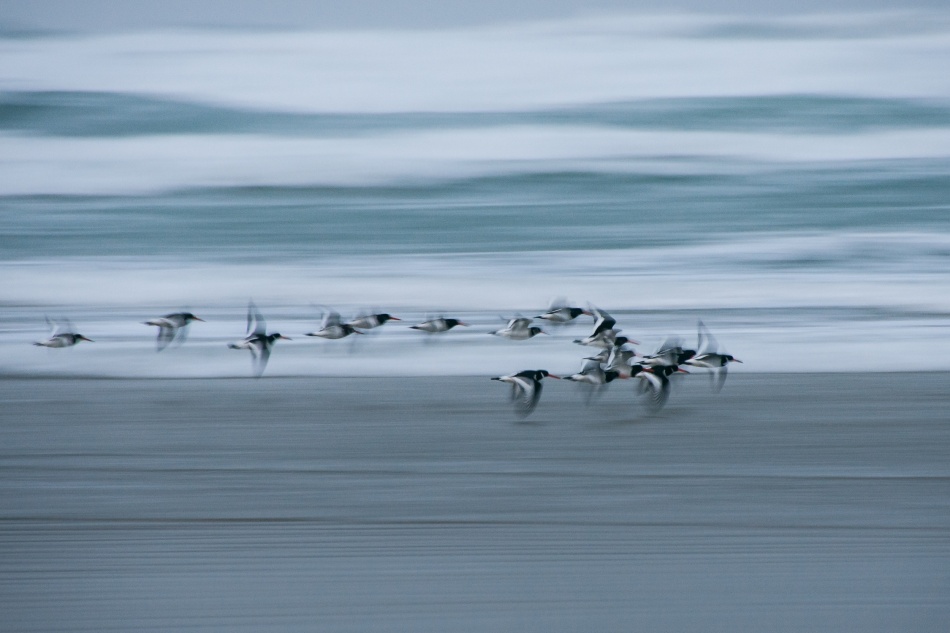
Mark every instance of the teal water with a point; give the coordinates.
(801, 205)
(525, 212)
(104, 114)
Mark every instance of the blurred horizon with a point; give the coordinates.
(102, 16)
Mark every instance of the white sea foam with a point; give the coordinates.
(759, 270)
(786, 270)
(154, 164)
(765, 343)
(881, 310)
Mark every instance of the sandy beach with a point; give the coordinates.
(785, 503)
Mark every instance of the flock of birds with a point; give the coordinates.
(616, 359)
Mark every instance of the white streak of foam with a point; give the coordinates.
(865, 312)
(754, 271)
(149, 164)
(766, 343)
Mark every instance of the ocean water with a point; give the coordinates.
(784, 179)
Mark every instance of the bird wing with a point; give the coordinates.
(330, 319)
(700, 360)
(603, 321)
(557, 303)
(717, 378)
(603, 356)
(166, 335)
(530, 394)
(519, 323)
(707, 343)
(619, 358)
(54, 327)
(590, 392)
(658, 391)
(365, 321)
(261, 356)
(588, 366)
(256, 325)
(361, 316)
(670, 349)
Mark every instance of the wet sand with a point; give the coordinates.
(784, 503)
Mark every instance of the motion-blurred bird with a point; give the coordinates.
(559, 312)
(655, 386)
(602, 321)
(604, 334)
(258, 341)
(370, 321)
(526, 388)
(332, 328)
(61, 335)
(595, 377)
(670, 352)
(620, 359)
(172, 327)
(709, 357)
(608, 340)
(519, 329)
(436, 326)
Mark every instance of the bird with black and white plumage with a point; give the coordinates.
(526, 388)
(62, 334)
(620, 359)
(602, 320)
(437, 325)
(653, 385)
(258, 341)
(518, 329)
(172, 328)
(708, 356)
(670, 352)
(594, 377)
(560, 313)
(660, 367)
(604, 333)
(592, 373)
(371, 321)
(617, 358)
(332, 327)
(607, 340)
